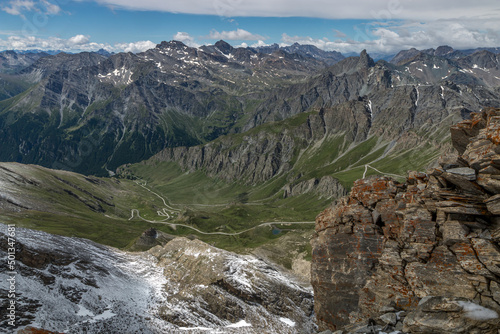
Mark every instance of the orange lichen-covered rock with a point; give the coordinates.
(387, 244)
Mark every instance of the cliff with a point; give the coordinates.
(420, 256)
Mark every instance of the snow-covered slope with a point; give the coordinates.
(73, 285)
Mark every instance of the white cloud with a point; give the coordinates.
(353, 9)
(79, 40)
(135, 47)
(52, 9)
(259, 43)
(20, 7)
(185, 38)
(74, 44)
(395, 36)
(16, 7)
(238, 35)
(421, 24)
(323, 43)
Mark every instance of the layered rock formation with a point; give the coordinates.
(427, 247)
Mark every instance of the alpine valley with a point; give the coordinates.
(175, 190)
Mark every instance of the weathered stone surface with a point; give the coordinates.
(490, 183)
(463, 131)
(467, 173)
(463, 182)
(389, 319)
(493, 204)
(438, 234)
(453, 232)
(451, 315)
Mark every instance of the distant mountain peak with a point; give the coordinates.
(365, 60)
(443, 50)
(224, 46)
(306, 50)
(170, 44)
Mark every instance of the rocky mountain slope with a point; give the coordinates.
(91, 113)
(12, 62)
(363, 113)
(136, 103)
(185, 286)
(420, 256)
(329, 57)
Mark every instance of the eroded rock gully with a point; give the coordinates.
(427, 248)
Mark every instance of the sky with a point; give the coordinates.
(385, 26)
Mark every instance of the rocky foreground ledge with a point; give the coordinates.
(421, 256)
(72, 285)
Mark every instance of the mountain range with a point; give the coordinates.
(91, 113)
(238, 147)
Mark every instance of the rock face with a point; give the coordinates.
(324, 186)
(223, 288)
(392, 246)
(176, 288)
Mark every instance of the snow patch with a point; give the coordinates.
(104, 315)
(84, 312)
(121, 75)
(239, 324)
(477, 312)
(480, 68)
(195, 328)
(418, 95)
(288, 322)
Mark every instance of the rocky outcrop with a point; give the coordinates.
(325, 186)
(150, 238)
(222, 287)
(393, 246)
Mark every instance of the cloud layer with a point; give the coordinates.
(75, 43)
(396, 36)
(235, 35)
(335, 9)
(389, 26)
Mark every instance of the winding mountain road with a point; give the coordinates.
(168, 211)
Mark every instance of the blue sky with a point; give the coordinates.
(346, 26)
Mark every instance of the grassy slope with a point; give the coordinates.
(213, 205)
(208, 204)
